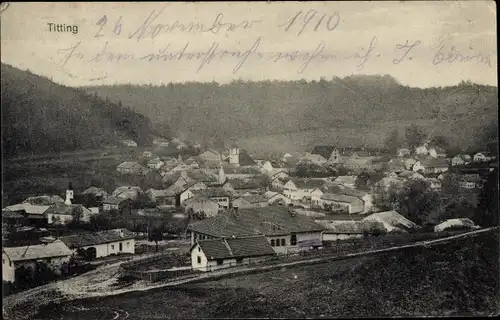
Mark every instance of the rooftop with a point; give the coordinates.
(236, 247)
(339, 197)
(94, 238)
(28, 208)
(308, 183)
(56, 248)
(254, 221)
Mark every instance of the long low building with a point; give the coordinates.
(55, 254)
(285, 230)
(102, 243)
(210, 255)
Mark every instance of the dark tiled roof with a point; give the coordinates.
(254, 199)
(253, 221)
(244, 184)
(308, 183)
(114, 200)
(430, 162)
(345, 191)
(56, 248)
(63, 209)
(236, 248)
(339, 198)
(214, 192)
(94, 238)
(245, 159)
(324, 151)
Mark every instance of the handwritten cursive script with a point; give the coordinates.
(149, 29)
(453, 55)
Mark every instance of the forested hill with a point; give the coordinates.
(259, 109)
(40, 116)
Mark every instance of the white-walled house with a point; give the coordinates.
(343, 203)
(199, 203)
(316, 197)
(54, 254)
(129, 143)
(480, 157)
(211, 255)
(286, 231)
(252, 201)
(417, 166)
(155, 164)
(301, 189)
(276, 197)
(102, 243)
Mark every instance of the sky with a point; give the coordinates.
(421, 44)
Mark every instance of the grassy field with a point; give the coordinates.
(457, 278)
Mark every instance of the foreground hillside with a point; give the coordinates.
(352, 110)
(40, 116)
(456, 278)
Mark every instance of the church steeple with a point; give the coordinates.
(69, 194)
(222, 176)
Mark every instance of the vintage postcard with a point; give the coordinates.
(204, 160)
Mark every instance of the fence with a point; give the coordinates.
(330, 250)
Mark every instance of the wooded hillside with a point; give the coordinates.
(40, 116)
(348, 111)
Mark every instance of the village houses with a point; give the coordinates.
(155, 164)
(286, 231)
(301, 189)
(130, 167)
(254, 201)
(211, 255)
(55, 254)
(199, 203)
(102, 243)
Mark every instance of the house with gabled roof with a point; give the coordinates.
(392, 221)
(338, 230)
(363, 195)
(101, 243)
(242, 187)
(285, 230)
(435, 165)
(346, 181)
(313, 158)
(202, 204)
(211, 156)
(276, 198)
(301, 189)
(127, 192)
(218, 195)
(253, 201)
(55, 254)
(210, 255)
(130, 167)
(342, 203)
(155, 164)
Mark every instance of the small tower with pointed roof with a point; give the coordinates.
(234, 155)
(221, 179)
(69, 194)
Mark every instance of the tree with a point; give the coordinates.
(362, 180)
(393, 141)
(441, 141)
(156, 235)
(487, 215)
(414, 136)
(416, 201)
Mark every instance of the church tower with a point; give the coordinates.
(234, 155)
(69, 194)
(222, 176)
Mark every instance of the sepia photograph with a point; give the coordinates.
(251, 160)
